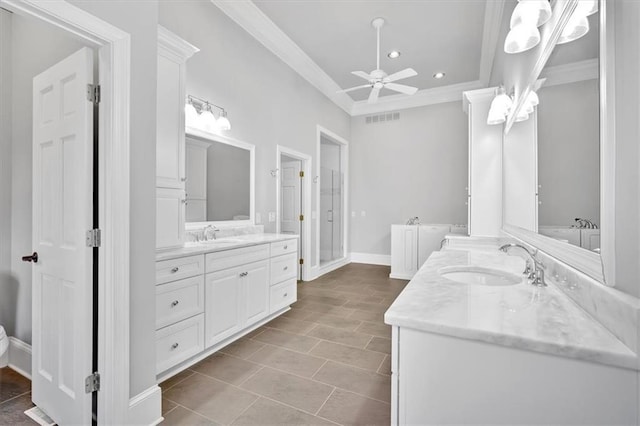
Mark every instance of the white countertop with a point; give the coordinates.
(221, 244)
(521, 316)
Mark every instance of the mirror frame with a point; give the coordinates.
(214, 137)
(598, 266)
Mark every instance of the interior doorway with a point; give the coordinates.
(294, 201)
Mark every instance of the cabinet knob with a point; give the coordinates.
(174, 270)
(175, 303)
(285, 268)
(285, 295)
(285, 247)
(174, 346)
(184, 201)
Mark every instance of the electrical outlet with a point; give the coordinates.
(272, 216)
(353, 214)
(258, 218)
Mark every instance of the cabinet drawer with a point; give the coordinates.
(282, 295)
(178, 300)
(176, 269)
(284, 267)
(179, 342)
(229, 258)
(284, 247)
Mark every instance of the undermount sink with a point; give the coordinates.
(214, 243)
(476, 275)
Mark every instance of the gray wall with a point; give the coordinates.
(35, 47)
(414, 166)
(268, 102)
(569, 153)
(140, 19)
(228, 181)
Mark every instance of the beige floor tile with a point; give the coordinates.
(211, 398)
(334, 321)
(380, 330)
(287, 340)
(369, 307)
(298, 314)
(290, 325)
(385, 367)
(167, 406)
(295, 391)
(289, 361)
(377, 317)
(12, 411)
(167, 384)
(363, 382)
(12, 384)
(380, 344)
(348, 355)
(325, 299)
(226, 368)
(182, 416)
(270, 413)
(243, 348)
(321, 307)
(346, 337)
(348, 408)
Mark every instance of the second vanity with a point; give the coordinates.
(211, 293)
(474, 343)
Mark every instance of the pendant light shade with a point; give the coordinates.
(495, 117)
(587, 7)
(207, 121)
(531, 12)
(523, 115)
(577, 27)
(532, 98)
(223, 121)
(521, 38)
(190, 114)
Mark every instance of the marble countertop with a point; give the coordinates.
(521, 315)
(220, 244)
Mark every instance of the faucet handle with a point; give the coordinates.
(538, 279)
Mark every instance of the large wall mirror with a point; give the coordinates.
(565, 179)
(220, 179)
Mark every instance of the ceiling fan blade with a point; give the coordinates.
(362, 74)
(402, 88)
(405, 73)
(354, 88)
(373, 96)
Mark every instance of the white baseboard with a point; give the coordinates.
(324, 269)
(371, 259)
(146, 407)
(20, 357)
(401, 276)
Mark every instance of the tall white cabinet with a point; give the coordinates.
(173, 53)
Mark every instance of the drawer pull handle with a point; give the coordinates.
(174, 270)
(285, 295)
(244, 274)
(174, 303)
(174, 346)
(285, 247)
(286, 267)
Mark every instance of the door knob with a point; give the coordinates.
(31, 258)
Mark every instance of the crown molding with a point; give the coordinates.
(424, 97)
(571, 73)
(490, 38)
(172, 43)
(479, 95)
(255, 22)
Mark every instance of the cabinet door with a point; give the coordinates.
(223, 304)
(256, 289)
(404, 251)
(169, 217)
(170, 124)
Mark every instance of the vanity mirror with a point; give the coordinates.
(219, 179)
(566, 145)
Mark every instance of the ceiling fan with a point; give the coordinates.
(378, 79)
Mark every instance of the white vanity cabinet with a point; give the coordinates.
(173, 53)
(284, 274)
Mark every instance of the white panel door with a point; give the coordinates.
(62, 212)
(223, 304)
(256, 289)
(290, 190)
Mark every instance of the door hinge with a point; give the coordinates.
(301, 173)
(301, 217)
(93, 93)
(302, 261)
(92, 383)
(94, 238)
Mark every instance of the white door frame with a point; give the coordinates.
(307, 164)
(344, 165)
(113, 47)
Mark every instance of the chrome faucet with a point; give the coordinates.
(533, 270)
(213, 230)
(414, 221)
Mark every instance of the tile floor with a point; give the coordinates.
(326, 361)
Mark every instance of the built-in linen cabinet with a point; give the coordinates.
(173, 53)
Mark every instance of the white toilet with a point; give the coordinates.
(4, 346)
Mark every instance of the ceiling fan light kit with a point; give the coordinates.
(378, 79)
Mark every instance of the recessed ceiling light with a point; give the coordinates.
(394, 54)
(439, 75)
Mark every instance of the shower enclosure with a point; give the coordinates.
(331, 203)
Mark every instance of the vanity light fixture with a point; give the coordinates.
(525, 20)
(439, 75)
(577, 27)
(199, 113)
(394, 54)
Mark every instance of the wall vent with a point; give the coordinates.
(382, 118)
